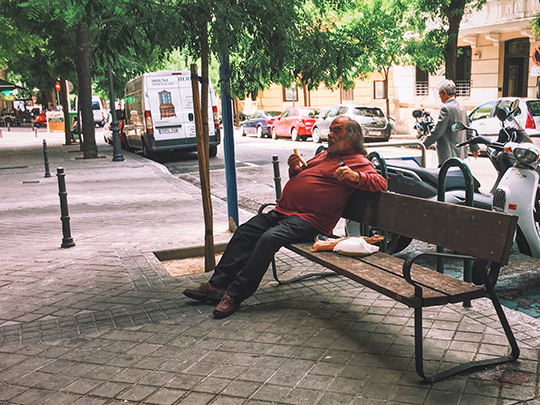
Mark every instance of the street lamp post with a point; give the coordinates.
(117, 147)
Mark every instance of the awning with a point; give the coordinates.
(8, 86)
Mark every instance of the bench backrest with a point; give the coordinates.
(483, 234)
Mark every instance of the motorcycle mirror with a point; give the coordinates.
(514, 106)
(458, 126)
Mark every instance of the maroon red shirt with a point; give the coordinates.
(315, 195)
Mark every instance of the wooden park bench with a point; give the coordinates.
(485, 237)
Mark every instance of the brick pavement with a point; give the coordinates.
(103, 322)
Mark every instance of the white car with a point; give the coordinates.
(484, 120)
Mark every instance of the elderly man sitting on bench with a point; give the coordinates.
(312, 202)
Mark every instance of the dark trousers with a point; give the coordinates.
(252, 248)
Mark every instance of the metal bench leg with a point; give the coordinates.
(419, 355)
(299, 278)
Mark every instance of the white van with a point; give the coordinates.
(100, 115)
(159, 113)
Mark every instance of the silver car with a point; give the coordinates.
(372, 119)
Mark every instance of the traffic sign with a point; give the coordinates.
(57, 86)
(536, 55)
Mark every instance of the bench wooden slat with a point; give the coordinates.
(484, 234)
(456, 290)
(386, 277)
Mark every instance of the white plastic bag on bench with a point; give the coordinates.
(355, 247)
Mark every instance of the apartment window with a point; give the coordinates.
(463, 73)
(379, 89)
(290, 94)
(422, 82)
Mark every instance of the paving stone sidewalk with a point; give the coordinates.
(103, 322)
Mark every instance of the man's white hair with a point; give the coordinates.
(448, 86)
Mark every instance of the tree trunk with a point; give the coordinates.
(454, 13)
(53, 98)
(64, 100)
(84, 78)
(386, 73)
(236, 105)
(209, 256)
(204, 175)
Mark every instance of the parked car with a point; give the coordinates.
(295, 123)
(372, 119)
(259, 123)
(484, 120)
(107, 131)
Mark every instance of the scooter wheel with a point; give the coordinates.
(396, 243)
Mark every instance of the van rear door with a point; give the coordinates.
(167, 107)
(186, 92)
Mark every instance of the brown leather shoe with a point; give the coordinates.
(206, 293)
(226, 307)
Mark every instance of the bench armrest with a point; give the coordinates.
(264, 206)
(410, 261)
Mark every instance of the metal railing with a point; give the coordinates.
(422, 88)
(463, 88)
(404, 143)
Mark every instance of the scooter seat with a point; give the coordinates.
(483, 201)
(454, 176)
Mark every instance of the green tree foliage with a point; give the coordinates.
(309, 42)
(257, 35)
(437, 24)
(536, 25)
(121, 31)
(24, 52)
(389, 22)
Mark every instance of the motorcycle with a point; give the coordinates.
(515, 191)
(40, 121)
(424, 123)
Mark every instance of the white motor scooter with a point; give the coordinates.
(516, 192)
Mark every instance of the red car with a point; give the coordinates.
(295, 123)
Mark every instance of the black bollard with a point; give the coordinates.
(67, 240)
(46, 159)
(277, 177)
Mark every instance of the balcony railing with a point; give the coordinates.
(422, 89)
(463, 88)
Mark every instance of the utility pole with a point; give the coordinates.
(228, 143)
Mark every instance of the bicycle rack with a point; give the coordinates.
(404, 143)
(364, 229)
(469, 198)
